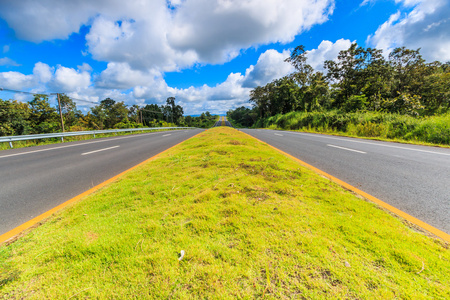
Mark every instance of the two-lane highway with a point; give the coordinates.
(414, 179)
(223, 122)
(34, 180)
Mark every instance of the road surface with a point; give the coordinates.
(34, 180)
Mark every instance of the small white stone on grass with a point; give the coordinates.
(181, 255)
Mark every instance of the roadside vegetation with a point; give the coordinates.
(430, 129)
(251, 223)
(38, 116)
(361, 93)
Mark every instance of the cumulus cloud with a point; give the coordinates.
(16, 80)
(230, 93)
(326, 51)
(122, 76)
(270, 65)
(55, 19)
(149, 86)
(217, 30)
(42, 73)
(45, 20)
(167, 35)
(426, 26)
(70, 80)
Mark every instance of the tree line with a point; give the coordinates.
(38, 116)
(360, 79)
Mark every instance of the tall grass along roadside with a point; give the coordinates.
(433, 129)
(224, 216)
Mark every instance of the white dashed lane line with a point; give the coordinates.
(95, 151)
(348, 149)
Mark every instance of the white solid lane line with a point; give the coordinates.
(167, 135)
(86, 153)
(278, 134)
(343, 148)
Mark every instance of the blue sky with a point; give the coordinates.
(207, 54)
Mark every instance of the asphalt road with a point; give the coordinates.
(414, 179)
(34, 180)
(227, 123)
(223, 122)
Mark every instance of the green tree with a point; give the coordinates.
(260, 97)
(134, 113)
(43, 118)
(14, 118)
(71, 114)
(242, 116)
(347, 73)
(151, 114)
(109, 113)
(435, 88)
(408, 73)
(173, 112)
(316, 95)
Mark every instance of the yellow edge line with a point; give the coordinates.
(429, 228)
(12, 233)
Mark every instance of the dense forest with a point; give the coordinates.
(361, 85)
(38, 116)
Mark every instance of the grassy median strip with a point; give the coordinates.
(251, 223)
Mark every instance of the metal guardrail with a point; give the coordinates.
(61, 135)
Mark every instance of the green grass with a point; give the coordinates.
(253, 224)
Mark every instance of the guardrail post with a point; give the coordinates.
(10, 144)
(62, 139)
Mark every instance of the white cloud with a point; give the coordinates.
(42, 72)
(150, 34)
(217, 30)
(5, 61)
(45, 20)
(85, 68)
(326, 51)
(271, 65)
(70, 80)
(6, 48)
(233, 92)
(142, 44)
(143, 87)
(16, 80)
(55, 19)
(121, 76)
(426, 26)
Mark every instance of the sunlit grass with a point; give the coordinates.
(252, 223)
